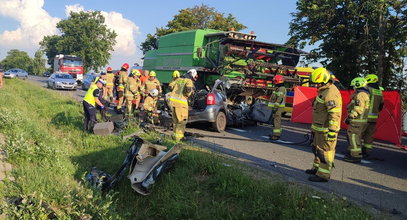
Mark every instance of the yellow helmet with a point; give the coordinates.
(358, 82)
(372, 78)
(320, 75)
(152, 73)
(176, 74)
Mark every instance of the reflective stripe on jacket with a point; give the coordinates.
(376, 100)
(179, 96)
(327, 109)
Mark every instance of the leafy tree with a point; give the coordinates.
(49, 46)
(355, 37)
(17, 59)
(38, 63)
(198, 17)
(85, 35)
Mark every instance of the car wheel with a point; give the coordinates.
(25, 78)
(53, 86)
(48, 85)
(220, 124)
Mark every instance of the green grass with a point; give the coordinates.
(51, 154)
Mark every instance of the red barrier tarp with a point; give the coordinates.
(388, 127)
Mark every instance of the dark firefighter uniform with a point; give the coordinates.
(277, 104)
(326, 117)
(357, 109)
(182, 89)
(375, 106)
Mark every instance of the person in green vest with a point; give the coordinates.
(90, 101)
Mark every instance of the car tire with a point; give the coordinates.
(53, 86)
(48, 85)
(220, 124)
(25, 78)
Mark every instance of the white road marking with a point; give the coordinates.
(236, 129)
(343, 156)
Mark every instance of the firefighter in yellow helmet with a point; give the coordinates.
(277, 104)
(152, 83)
(109, 84)
(326, 118)
(150, 105)
(375, 106)
(175, 76)
(132, 92)
(122, 78)
(358, 109)
(182, 90)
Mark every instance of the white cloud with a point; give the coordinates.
(34, 23)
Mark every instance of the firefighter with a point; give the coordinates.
(326, 117)
(132, 92)
(175, 76)
(109, 85)
(358, 110)
(150, 104)
(182, 90)
(277, 104)
(375, 106)
(122, 78)
(152, 83)
(90, 101)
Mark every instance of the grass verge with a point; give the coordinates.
(51, 154)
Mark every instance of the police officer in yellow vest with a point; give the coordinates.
(277, 104)
(375, 106)
(132, 92)
(358, 109)
(90, 101)
(182, 89)
(120, 88)
(109, 85)
(326, 117)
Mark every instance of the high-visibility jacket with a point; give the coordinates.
(89, 98)
(109, 80)
(277, 99)
(182, 89)
(122, 80)
(132, 87)
(327, 109)
(358, 108)
(375, 105)
(152, 84)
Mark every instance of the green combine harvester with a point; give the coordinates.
(246, 63)
(246, 66)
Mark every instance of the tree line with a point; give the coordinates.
(351, 37)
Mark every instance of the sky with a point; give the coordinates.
(23, 23)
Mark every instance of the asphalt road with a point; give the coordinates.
(379, 182)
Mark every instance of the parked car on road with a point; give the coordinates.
(46, 74)
(16, 73)
(61, 81)
(88, 79)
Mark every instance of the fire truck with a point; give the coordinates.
(70, 64)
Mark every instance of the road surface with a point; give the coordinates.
(379, 182)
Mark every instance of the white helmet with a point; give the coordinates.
(154, 92)
(193, 73)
